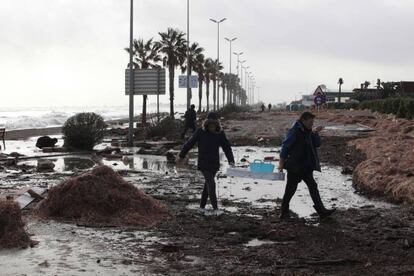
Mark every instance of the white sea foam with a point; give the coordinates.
(25, 118)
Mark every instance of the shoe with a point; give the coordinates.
(323, 212)
(285, 216)
(285, 212)
(326, 213)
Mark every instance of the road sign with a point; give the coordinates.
(146, 81)
(182, 81)
(319, 91)
(319, 100)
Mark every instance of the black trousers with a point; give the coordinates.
(293, 180)
(209, 189)
(187, 127)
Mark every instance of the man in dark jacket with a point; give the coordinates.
(190, 118)
(300, 158)
(209, 139)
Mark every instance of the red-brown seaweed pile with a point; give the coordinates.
(101, 197)
(12, 232)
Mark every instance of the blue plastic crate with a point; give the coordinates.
(259, 166)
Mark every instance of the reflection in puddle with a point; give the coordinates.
(141, 162)
(256, 242)
(336, 189)
(77, 163)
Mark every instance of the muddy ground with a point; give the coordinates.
(366, 238)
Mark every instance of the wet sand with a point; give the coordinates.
(366, 236)
(27, 133)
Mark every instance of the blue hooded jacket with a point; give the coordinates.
(299, 150)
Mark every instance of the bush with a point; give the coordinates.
(342, 105)
(167, 127)
(83, 131)
(401, 107)
(233, 108)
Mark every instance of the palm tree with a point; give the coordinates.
(173, 47)
(223, 79)
(208, 70)
(146, 56)
(196, 58)
(200, 70)
(217, 67)
(234, 84)
(340, 82)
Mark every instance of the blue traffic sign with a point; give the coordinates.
(319, 100)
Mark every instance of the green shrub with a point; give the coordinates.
(401, 107)
(342, 105)
(233, 108)
(167, 127)
(410, 109)
(83, 131)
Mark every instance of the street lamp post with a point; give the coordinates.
(245, 82)
(218, 54)
(188, 56)
(238, 60)
(252, 88)
(131, 78)
(241, 74)
(238, 63)
(230, 40)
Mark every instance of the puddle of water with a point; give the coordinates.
(336, 189)
(28, 146)
(142, 162)
(65, 249)
(257, 242)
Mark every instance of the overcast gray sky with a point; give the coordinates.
(69, 52)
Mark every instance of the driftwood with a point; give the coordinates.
(35, 195)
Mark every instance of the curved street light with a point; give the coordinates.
(218, 51)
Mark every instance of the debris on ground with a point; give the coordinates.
(12, 232)
(101, 197)
(387, 169)
(45, 165)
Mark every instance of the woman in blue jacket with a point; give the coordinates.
(209, 139)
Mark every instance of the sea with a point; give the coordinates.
(40, 117)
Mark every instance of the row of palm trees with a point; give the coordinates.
(170, 51)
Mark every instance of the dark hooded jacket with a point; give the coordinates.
(208, 146)
(190, 117)
(299, 150)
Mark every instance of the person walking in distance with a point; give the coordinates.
(269, 106)
(209, 139)
(190, 118)
(300, 158)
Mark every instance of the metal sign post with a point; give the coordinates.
(158, 96)
(131, 80)
(188, 56)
